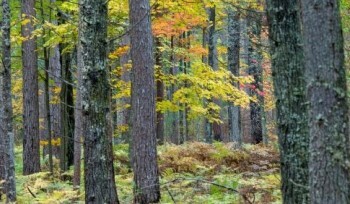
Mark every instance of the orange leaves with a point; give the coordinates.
(175, 24)
(198, 51)
(119, 52)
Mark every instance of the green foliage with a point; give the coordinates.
(191, 173)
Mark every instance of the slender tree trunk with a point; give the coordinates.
(95, 102)
(78, 130)
(182, 124)
(31, 155)
(124, 116)
(207, 125)
(46, 103)
(67, 112)
(290, 86)
(327, 94)
(233, 65)
(216, 127)
(255, 70)
(175, 132)
(7, 135)
(146, 176)
(245, 112)
(160, 93)
(55, 73)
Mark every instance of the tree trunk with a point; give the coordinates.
(255, 70)
(95, 103)
(289, 85)
(160, 93)
(212, 61)
(175, 132)
(233, 65)
(31, 155)
(55, 70)
(245, 112)
(146, 176)
(46, 102)
(67, 111)
(78, 129)
(7, 135)
(327, 94)
(125, 113)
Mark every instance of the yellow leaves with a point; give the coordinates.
(119, 52)
(54, 142)
(200, 85)
(70, 6)
(123, 90)
(25, 21)
(166, 105)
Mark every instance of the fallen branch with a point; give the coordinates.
(31, 192)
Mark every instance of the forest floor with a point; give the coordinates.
(191, 173)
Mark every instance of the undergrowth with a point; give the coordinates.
(190, 173)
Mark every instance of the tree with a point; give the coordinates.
(212, 61)
(327, 96)
(233, 65)
(55, 69)
(31, 156)
(290, 91)
(6, 132)
(95, 102)
(160, 92)
(143, 131)
(255, 70)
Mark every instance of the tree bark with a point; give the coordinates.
(175, 131)
(160, 93)
(146, 175)
(7, 135)
(291, 103)
(55, 73)
(245, 112)
(212, 61)
(78, 132)
(233, 65)
(95, 102)
(68, 60)
(327, 94)
(125, 114)
(31, 155)
(255, 70)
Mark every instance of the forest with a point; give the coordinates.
(175, 101)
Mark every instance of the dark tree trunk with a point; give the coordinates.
(146, 176)
(182, 123)
(212, 61)
(78, 132)
(55, 73)
(289, 85)
(7, 135)
(46, 102)
(327, 94)
(95, 102)
(175, 132)
(160, 93)
(67, 112)
(233, 65)
(31, 155)
(255, 70)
